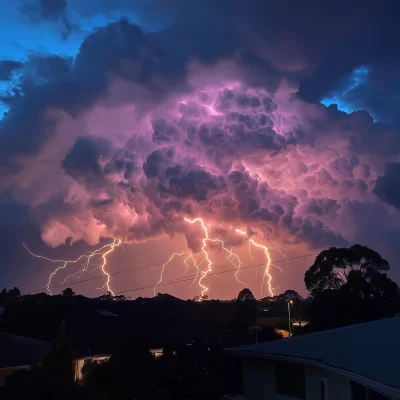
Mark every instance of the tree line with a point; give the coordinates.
(345, 286)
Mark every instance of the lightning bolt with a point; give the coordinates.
(197, 266)
(87, 258)
(267, 275)
(162, 267)
(102, 253)
(232, 257)
(203, 249)
(253, 260)
(113, 245)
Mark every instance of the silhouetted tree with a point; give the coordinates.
(350, 286)
(40, 384)
(200, 298)
(15, 292)
(290, 295)
(333, 266)
(59, 360)
(245, 295)
(3, 296)
(128, 374)
(68, 292)
(121, 297)
(245, 309)
(107, 297)
(11, 296)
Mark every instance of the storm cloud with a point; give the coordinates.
(217, 116)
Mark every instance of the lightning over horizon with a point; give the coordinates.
(102, 252)
(266, 275)
(232, 257)
(88, 265)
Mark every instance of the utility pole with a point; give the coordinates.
(290, 323)
(256, 326)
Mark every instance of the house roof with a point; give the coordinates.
(370, 350)
(17, 351)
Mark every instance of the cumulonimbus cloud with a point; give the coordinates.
(131, 138)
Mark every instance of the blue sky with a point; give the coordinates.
(20, 36)
(345, 96)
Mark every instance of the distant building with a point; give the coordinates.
(358, 362)
(80, 363)
(18, 352)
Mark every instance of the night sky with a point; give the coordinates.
(120, 118)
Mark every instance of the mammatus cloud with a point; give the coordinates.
(134, 135)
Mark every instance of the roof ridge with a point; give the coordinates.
(26, 337)
(341, 328)
(327, 331)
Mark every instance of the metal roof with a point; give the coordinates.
(370, 350)
(17, 351)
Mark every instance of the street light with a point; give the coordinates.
(290, 325)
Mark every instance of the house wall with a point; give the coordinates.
(338, 385)
(259, 382)
(6, 372)
(79, 364)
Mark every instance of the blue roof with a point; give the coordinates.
(16, 351)
(371, 349)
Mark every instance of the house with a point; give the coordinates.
(82, 362)
(102, 333)
(358, 362)
(18, 353)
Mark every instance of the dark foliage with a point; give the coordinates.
(245, 309)
(9, 296)
(333, 266)
(350, 286)
(68, 292)
(267, 334)
(193, 371)
(40, 384)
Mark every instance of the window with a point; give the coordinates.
(361, 392)
(290, 379)
(323, 389)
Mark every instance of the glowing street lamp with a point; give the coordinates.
(290, 325)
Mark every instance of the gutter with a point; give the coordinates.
(319, 363)
(16, 367)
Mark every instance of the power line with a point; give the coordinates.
(157, 264)
(187, 278)
(145, 266)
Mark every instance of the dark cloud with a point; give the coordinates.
(75, 88)
(82, 160)
(387, 186)
(7, 68)
(302, 40)
(48, 10)
(44, 9)
(374, 87)
(217, 127)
